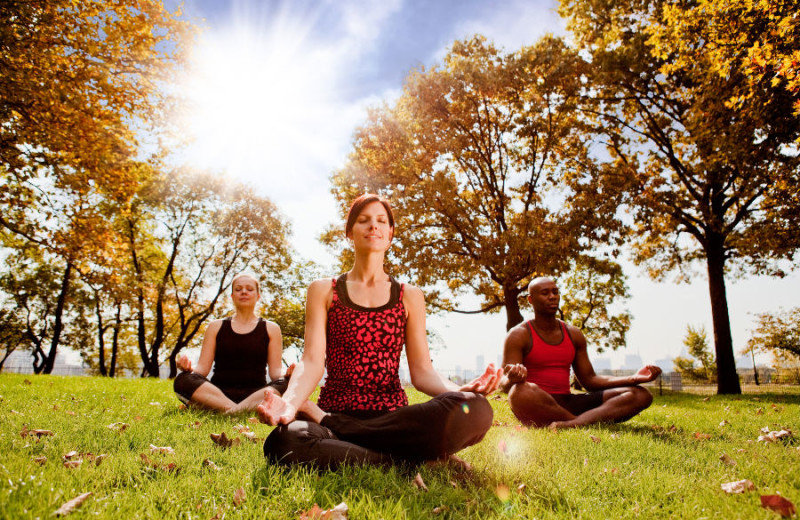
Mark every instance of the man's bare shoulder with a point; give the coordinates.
(518, 334)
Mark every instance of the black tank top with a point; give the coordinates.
(240, 360)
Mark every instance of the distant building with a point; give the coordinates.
(601, 363)
(632, 362)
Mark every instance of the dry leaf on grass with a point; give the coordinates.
(72, 463)
(40, 460)
(99, 459)
(170, 467)
(702, 436)
(253, 420)
(739, 486)
(69, 455)
(502, 492)
(419, 483)
(210, 464)
(162, 449)
(316, 513)
(68, 507)
(521, 489)
(239, 497)
(727, 460)
(37, 433)
(773, 436)
(195, 424)
(220, 439)
(118, 427)
(778, 504)
(594, 438)
(440, 509)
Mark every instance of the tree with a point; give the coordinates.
(80, 85)
(187, 235)
(490, 172)
(713, 183)
(12, 334)
(757, 39)
(697, 344)
(777, 332)
(586, 292)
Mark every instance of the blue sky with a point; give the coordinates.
(278, 87)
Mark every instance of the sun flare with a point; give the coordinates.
(252, 92)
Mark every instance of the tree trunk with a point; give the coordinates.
(101, 355)
(727, 378)
(58, 325)
(115, 342)
(513, 314)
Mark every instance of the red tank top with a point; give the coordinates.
(362, 354)
(548, 365)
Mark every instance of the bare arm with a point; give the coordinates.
(309, 370)
(513, 370)
(584, 370)
(275, 351)
(207, 352)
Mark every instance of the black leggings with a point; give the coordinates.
(427, 431)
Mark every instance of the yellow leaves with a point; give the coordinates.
(222, 440)
(419, 483)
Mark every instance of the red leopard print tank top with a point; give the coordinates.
(363, 353)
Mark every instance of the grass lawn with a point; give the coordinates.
(663, 464)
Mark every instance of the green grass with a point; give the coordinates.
(650, 467)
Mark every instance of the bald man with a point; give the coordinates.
(537, 356)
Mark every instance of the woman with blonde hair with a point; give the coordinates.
(240, 349)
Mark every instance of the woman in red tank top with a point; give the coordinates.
(357, 326)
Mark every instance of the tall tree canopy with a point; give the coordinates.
(488, 168)
(715, 181)
(79, 88)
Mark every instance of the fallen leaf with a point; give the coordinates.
(155, 403)
(26, 382)
(195, 424)
(119, 427)
(615, 436)
(724, 422)
(739, 486)
(706, 399)
(440, 509)
(72, 463)
(210, 464)
(702, 436)
(770, 436)
(68, 507)
(727, 460)
(253, 420)
(419, 483)
(155, 465)
(595, 438)
(239, 497)
(162, 449)
(454, 484)
(337, 513)
(760, 411)
(137, 418)
(241, 428)
(70, 412)
(502, 492)
(69, 455)
(521, 489)
(38, 433)
(220, 439)
(99, 459)
(778, 504)
(40, 460)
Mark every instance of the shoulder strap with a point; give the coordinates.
(566, 333)
(333, 285)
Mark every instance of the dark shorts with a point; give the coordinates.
(577, 404)
(187, 383)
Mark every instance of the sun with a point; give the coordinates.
(253, 91)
